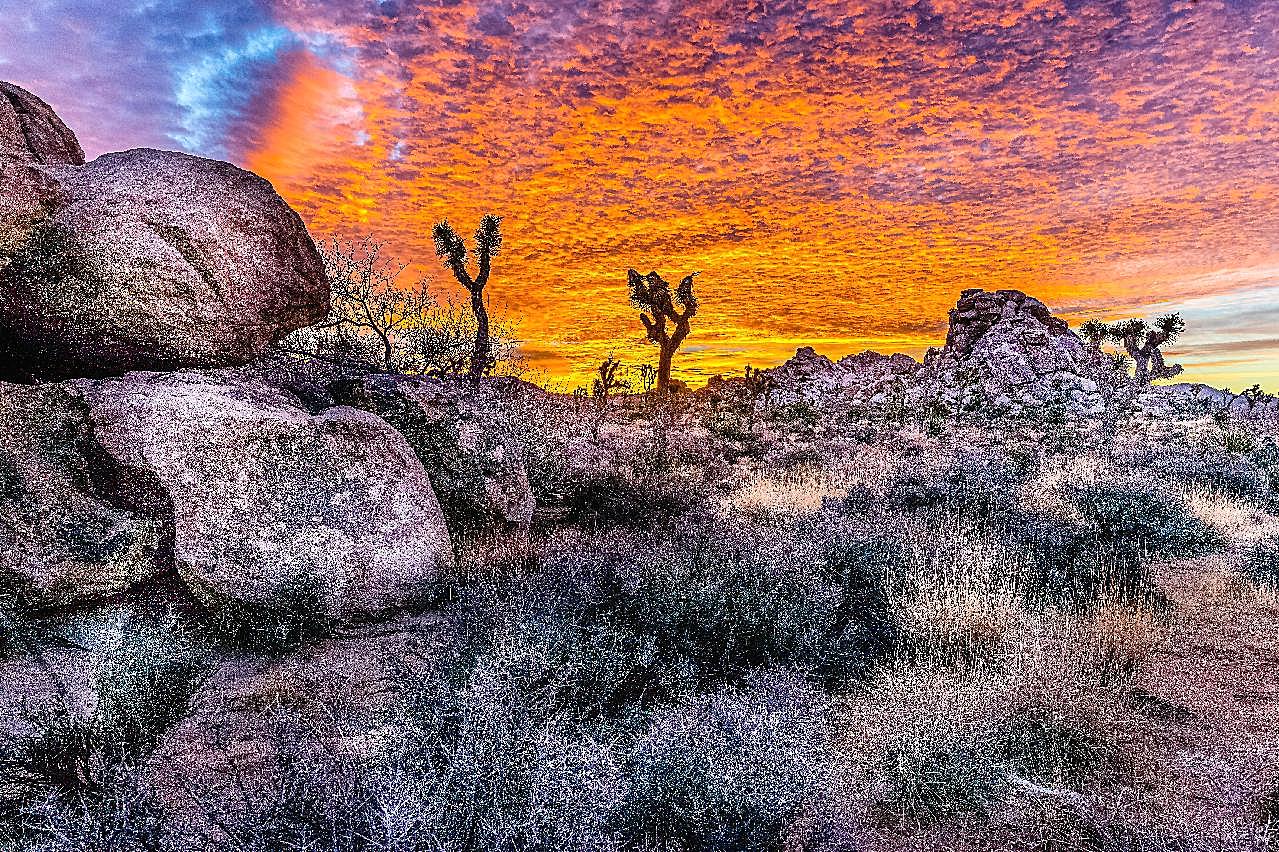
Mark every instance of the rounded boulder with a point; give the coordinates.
(156, 260)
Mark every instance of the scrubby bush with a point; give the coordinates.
(930, 782)
(1141, 521)
(975, 484)
(1066, 564)
(727, 772)
(1042, 747)
(629, 616)
(72, 782)
(642, 499)
(1268, 813)
(1260, 563)
(1178, 464)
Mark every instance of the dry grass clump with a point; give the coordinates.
(955, 755)
(803, 488)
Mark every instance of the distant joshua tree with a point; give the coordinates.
(450, 247)
(1142, 341)
(1095, 332)
(667, 317)
(606, 380)
(647, 376)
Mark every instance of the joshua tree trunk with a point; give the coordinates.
(481, 356)
(667, 348)
(664, 358)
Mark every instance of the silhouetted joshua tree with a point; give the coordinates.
(667, 317)
(1095, 332)
(450, 247)
(606, 380)
(1143, 341)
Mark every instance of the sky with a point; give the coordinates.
(838, 170)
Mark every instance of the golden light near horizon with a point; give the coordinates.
(838, 171)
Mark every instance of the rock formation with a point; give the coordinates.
(474, 462)
(141, 259)
(1005, 355)
(276, 512)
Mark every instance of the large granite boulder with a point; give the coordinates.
(278, 516)
(73, 526)
(475, 463)
(157, 260)
(30, 130)
(1006, 354)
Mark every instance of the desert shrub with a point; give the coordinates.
(1042, 747)
(976, 484)
(476, 757)
(798, 416)
(1065, 564)
(122, 817)
(627, 617)
(1260, 563)
(1237, 441)
(729, 771)
(1268, 813)
(641, 499)
(1234, 474)
(931, 782)
(1134, 521)
(73, 777)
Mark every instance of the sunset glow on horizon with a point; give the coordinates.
(838, 171)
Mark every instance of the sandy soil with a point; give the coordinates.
(1214, 684)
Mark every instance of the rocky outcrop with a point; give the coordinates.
(277, 515)
(30, 130)
(157, 260)
(1006, 354)
(270, 515)
(1196, 400)
(865, 379)
(476, 465)
(72, 530)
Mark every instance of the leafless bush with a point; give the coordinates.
(377, 321)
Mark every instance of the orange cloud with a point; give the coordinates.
(839, 171)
